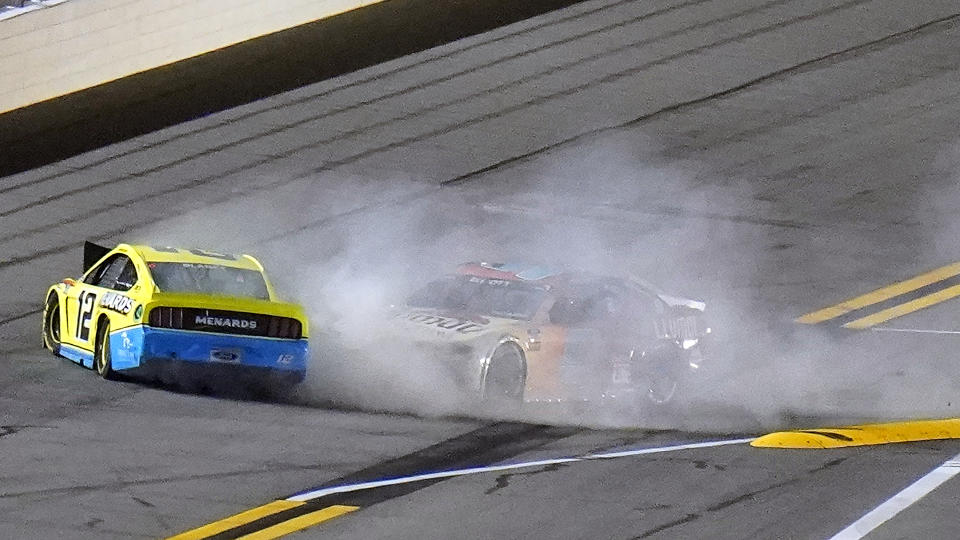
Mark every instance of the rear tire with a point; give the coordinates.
(279, 386)
(51, 325)
(101, 357)
(505, 377)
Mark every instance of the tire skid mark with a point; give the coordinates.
(424, 52)
(503, 480)
(488, 444)
(9, 430)
(327, 92)
(113, 486)
(414, 88)
(493, 441)
(442, 131)
(669, 525)
(11, 261)
(17, 317)
(14, 429)
(813, 63)
(576, 138)
(865, 95)
(739, 499)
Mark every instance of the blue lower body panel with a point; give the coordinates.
(80, 356)
(139, 346)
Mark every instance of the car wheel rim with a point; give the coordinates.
(662, 388)
(101, 356)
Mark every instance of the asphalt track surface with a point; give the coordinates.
(770, 157)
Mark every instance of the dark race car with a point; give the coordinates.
(512, 332)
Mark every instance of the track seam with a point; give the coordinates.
(24, 315)
(424, 136)
(324, 93)
(398, 93)
(698, 101)
(669, 109)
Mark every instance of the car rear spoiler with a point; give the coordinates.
(672, 301)
(92, 253)
(676, 301)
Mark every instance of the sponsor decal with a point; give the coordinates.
(491, 282)
(127, 342)
(225, 322)
(445, 323)
(285, 359)
(139, 312)
(117, 302)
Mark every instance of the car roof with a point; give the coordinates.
(546, 276)
(566, 280)
(195, 256)
(537, 274)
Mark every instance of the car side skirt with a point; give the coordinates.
(78, 355)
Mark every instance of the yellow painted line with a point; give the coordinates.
(237, 520)
(880, 295)
(299, 523)
(903, 309)
(896, 432)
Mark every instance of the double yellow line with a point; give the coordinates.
(283, 528)
(886, 293)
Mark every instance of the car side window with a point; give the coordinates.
(605, 305)
(95, 275)
(568, 311)
(127, 277)
(107, 274)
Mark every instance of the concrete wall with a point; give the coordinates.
(83, 43)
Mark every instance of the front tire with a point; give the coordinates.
(662, 376)
(51, 325)
(101, 357)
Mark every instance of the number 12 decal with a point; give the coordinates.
(87, 301)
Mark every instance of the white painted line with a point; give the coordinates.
(899, 502)
(915, 330)
(316, 494)
(642, 451)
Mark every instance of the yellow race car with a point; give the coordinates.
(152, 310)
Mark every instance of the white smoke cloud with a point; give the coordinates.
(617, 206)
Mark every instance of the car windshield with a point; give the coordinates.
(208, 279)
(481, 296)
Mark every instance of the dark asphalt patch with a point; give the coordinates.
(484, 446)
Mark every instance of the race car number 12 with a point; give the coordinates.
(87, 301)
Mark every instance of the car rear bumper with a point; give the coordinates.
(132, 348)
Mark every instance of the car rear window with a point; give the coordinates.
(208, 279)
